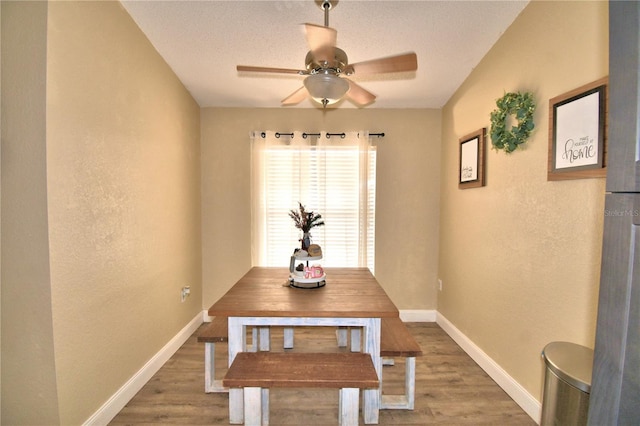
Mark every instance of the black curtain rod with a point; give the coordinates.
(283, 134)
(342, 135)
(329, 135)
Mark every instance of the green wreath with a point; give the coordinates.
(522, 106)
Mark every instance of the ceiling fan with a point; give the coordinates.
(326, 65)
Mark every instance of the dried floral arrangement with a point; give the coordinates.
(305, 220)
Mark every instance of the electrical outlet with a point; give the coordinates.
(184, 293)
(440, 284)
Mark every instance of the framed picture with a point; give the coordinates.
(471, 166)
(577, 133)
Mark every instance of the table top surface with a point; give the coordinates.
(265, 292)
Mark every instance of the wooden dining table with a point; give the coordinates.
(262, 297)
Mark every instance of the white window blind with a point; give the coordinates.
(333, 177)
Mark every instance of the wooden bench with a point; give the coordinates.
(396, 341)
(217, 331)
(256, 372)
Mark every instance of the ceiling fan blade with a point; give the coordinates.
(272, 70)
(322, 42)
(398, 63)
(296, 97)
(358, 94)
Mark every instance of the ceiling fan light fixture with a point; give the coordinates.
(326, 89)
(325, 63)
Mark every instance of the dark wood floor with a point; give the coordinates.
(450, 388)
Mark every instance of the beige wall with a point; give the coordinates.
(122, 198)
(103, 163)
(407, 193)
(28, 365)
(520, 257)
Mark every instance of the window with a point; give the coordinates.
(332, 176)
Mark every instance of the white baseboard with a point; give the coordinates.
(112, 407)
(409, 315)
(519, 394)
(206, 317)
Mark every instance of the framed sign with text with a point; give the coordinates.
(471, 165)
(577, 133)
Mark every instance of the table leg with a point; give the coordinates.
(237, 343)
(288, 338)
(355, 339)
(372, 346)
(341, 335)
(265, 339)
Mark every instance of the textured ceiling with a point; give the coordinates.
(203, 41)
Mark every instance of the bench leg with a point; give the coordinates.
(252, 406)
(410, 381)
(349, 406)
(406, 401)
(211, 385)
(209, 366)
(236, 406)
(288, 338)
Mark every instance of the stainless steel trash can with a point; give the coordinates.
(567, 384)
